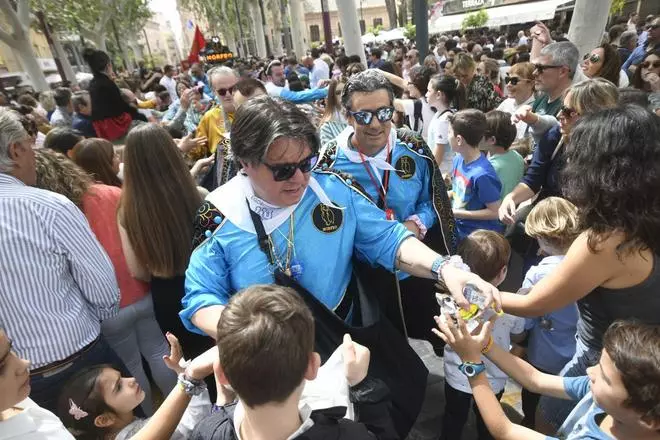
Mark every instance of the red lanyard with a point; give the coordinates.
(382, 189)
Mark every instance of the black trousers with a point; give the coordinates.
(530, 401)
(457, 410)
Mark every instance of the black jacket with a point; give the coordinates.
(370, 399)
(107, 101)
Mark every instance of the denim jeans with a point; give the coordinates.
(554, 411)
(46, 387)
(134, 334)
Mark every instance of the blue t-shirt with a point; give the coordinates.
(583, 422)
(475, 184)
(552, 336)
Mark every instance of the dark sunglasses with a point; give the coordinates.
(514, 80)
(648, 64)
(223, 92)
(285, 171)
(567, 112)
(541, 67)
(593, 58)
(364, 117)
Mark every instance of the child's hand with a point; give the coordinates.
(356, 360)
(467, 346)
(176, 354)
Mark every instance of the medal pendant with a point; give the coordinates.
(287, 272)
(389, 214)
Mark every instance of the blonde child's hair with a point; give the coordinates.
(554, 220)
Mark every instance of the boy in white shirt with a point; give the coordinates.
(487, 253)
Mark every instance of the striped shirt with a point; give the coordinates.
(56, 281)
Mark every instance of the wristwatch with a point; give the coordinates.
(470, 369)
(190, 386)
(441, 261)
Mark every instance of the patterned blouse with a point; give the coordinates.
(481, 94)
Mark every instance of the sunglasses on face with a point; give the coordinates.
(541, 67)
(567, 112)
(285, 171)
(223, 92)
(513, 80)
(364, 117)
(649, 64)
(593, 58)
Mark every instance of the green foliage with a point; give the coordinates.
(410, 31)
(93, 16)
(475, 20)
(375, 30)
(617, 7)
(220, 15)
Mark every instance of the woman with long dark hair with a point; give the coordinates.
(111, 115)
(158, 204)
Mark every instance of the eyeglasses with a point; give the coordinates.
(649, 64)
(541, 67)
(514, 80)
(567, 112)
(653, 26)
(364, 117)
(593, 58)
(223, 92)
(285, 171)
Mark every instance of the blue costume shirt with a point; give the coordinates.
(325, 240)
(474, 185)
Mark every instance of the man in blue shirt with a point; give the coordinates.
(276, 86)
(651, 43)
(82, 114)
(619, 399)
(277, 221)
(401, 179)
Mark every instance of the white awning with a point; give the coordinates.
(501, 16)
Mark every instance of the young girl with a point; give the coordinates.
(98, 403)
(554, 224)
(441, 93)
(97, 156)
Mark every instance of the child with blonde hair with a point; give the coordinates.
(554, 224)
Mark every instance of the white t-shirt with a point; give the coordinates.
(509, 105)
(439, 134)
(427, 115)
(33, 423)
(319, 71)
(623, 79)
(502, 330)
(170, 85)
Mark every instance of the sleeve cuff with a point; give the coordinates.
(422, 227)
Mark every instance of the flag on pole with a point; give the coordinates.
(198, 44)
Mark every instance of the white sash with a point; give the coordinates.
(377, 162)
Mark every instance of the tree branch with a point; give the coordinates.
(14, 21)
(105, 17)
(8, 39)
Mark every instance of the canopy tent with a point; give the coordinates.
(501, 16)
(391, 35)
(368, 38)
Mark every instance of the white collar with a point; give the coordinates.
(305, 416)
(230, 200)
(377, 162)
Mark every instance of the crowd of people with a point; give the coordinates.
(242, 251)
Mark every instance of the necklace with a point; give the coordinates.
(290, 266)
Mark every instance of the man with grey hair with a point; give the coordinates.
(282, 221)
(627, 43)
(82, 114)
(215, 125)
(56, 282)
(62, 116)
(402, 179)
(554, 69)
